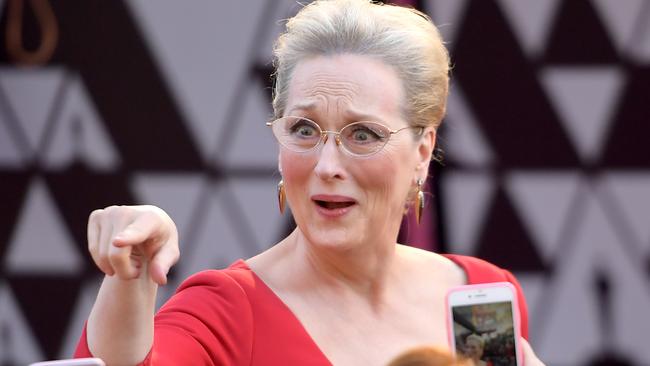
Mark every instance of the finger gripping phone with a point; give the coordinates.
(483, 324)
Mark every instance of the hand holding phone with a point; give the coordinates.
(483, 324)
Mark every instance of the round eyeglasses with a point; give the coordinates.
(300, 134)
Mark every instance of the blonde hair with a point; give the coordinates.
(478, 339)
(403, 38)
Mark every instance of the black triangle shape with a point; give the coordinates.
(610, 359)
(92, 190)
(504, 241)
(627, 145)
(46, 301)
(502, 88)
(578, 36)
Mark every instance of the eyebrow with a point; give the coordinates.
(355, 116)
(303, 106)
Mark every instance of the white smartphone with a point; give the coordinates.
(72, 362)
(483, 324)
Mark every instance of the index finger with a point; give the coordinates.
(92, 229)
(145, 227)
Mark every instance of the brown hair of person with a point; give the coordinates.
(428, 356)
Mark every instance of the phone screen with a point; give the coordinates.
(485, 332)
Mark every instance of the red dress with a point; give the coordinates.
(230, 317)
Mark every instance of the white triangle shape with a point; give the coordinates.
(543, 200)
(40, 242)
(632, 193)
(571, 332)
(265, 220)
(203, 91)
(281, 10)
(462, 141)
(177, 194)
(18, 346)
(585, 99)
(251, 131)
(597, 247)
(531, 21)
(447, 16)
(466, 198)
(214, 243)
(9, 154)
(620, 18)
(641, 49)
(629, 297)
(79, 133)
(534, 287)
(31, 94)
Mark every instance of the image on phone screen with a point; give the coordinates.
(485, 333)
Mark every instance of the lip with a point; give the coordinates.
(332, 198)
(333, 212)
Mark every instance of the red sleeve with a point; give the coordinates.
(480, 271)
(207, 322)
(82, 350)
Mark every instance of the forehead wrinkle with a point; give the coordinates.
(336, 95)
(322, 83)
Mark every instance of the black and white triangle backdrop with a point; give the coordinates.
(546, 173)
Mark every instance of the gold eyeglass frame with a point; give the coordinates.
(337, 136)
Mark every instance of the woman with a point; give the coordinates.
(474, 347)
(360, 90)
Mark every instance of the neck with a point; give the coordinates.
(364, 271)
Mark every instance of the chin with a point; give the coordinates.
(332, 238)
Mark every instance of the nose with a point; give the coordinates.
(326, 135)
(329, 165)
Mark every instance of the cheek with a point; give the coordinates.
(385, 177)
(296, 169)
(294, 165)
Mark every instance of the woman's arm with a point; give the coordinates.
(135, 247)
(120, 326)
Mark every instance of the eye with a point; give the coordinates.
(304, 129)
(365, 133)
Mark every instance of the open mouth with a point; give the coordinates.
(333, 205)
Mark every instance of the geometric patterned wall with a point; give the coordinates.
(546, 168)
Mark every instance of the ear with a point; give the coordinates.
(279, 164)
(425, 151)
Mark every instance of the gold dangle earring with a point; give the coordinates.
(281, 196)
(419, 202)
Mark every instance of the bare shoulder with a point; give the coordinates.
(429, 264)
